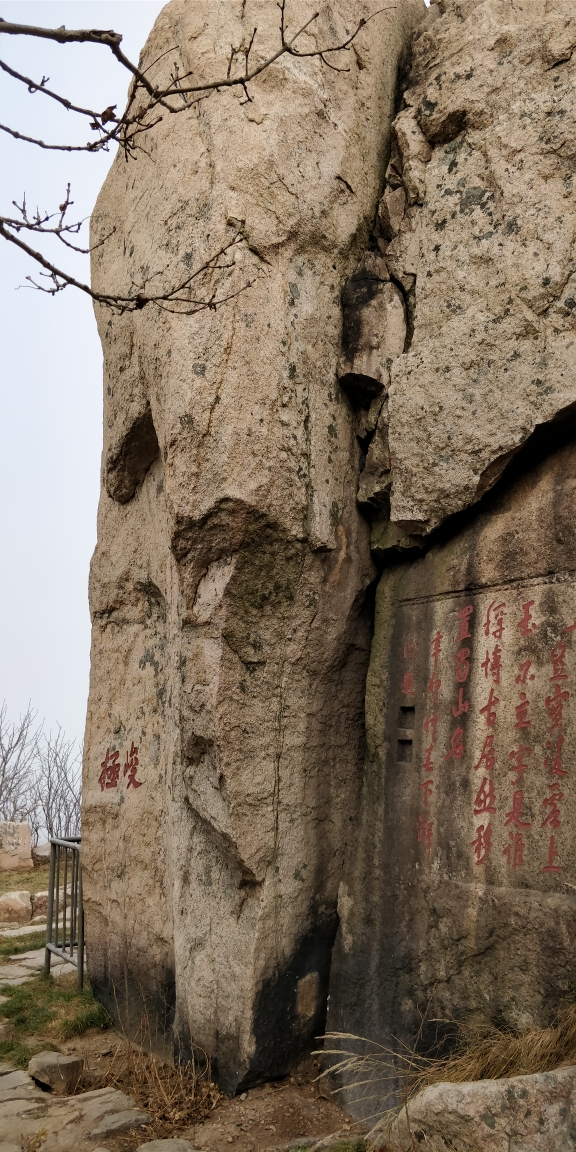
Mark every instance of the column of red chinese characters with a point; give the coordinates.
(425, 824)
(491, 666)
(555, 770)
(513, 820)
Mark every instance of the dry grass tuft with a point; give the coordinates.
(480, 1053)
(176, 1096)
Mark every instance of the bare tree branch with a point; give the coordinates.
(145, 99)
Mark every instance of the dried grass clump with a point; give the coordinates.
(480, 1053)
(175, 1096)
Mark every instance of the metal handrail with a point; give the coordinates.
(63, 853)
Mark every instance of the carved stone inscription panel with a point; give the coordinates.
(485, 735)
(459, 901)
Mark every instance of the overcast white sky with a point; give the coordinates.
(51, 365)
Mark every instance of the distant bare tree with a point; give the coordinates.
(56, 787)
(18, 752)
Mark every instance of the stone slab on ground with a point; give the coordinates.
(26, 930)
(171, 1145)
(121, 1122)
(10, 971)
(520, 1114)
(15, 982)
(67, 1121)
(16, 1079)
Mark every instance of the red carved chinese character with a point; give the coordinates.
(485, 797)
(552, 802)
(462, 705)
(526, 623)
(555, 705)
(514, 851)
(558, 658)
(488, 709)
(428, 765)
(462, 665)
(131, 768)
(435, 647)
(431, 723)
(482, 843)
(407, 685)
(555, 768)
(571, 627)
(464, 615)
(524, 669)
(456, 745)
(517, 757)
(434, 687)
(521, 710)
(410, 649)
(487, 756)
(493, 664)
(110, 773)
(498, 621)
(425, 832)
(515, 813)
(427, 787)
(552, 854)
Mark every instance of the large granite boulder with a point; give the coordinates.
(478, 225)
(231, 629)
(524, 1113)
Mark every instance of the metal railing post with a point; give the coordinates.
(71, 949)
(50, 908)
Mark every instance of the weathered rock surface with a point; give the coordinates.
(485, 248)
(465, 854)
(520, 1114)
(60, 1073)
(15, 908)
(15, 850)
(225, 734)
(41, 855)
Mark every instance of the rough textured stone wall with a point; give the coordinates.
(224, 740)
(478, 225)
(459, 900)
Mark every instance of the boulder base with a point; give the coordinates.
(524, 1113)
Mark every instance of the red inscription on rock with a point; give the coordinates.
(487, 756)
(110, 773)
(482, 843)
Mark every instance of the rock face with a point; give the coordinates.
(460, 897)
(525, 1112)
(466, 856)
(231, 635)
(478, 224)
(15, 850)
